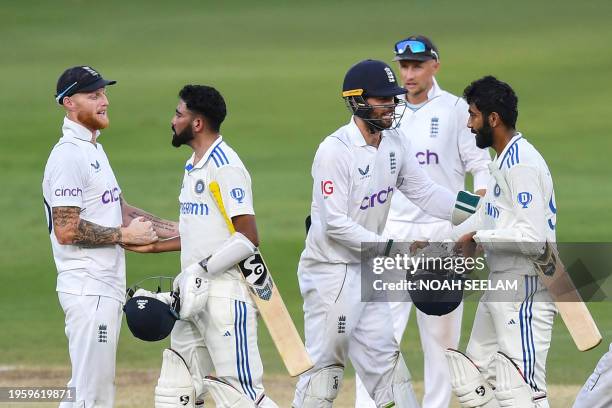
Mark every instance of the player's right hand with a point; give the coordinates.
(139, 232)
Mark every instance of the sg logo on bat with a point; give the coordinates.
(256, 274)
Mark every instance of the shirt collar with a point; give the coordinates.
(355, 134)
(190, 165)
(512, 141)
(434, 91)
(71, 128)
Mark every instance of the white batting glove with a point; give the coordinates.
(193, 291)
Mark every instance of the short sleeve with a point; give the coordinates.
(66, 176)
(235, 185)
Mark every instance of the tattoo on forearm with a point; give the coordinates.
(91, 234)
(86, 232)
(65, 217)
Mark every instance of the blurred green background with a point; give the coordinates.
(280, 67)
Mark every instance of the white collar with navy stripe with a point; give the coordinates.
(73, 129)
(510, 154)
(213, 151)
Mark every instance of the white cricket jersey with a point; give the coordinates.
(78, 174)
(444, 147)
(202, 227)
(518, 210)
(352, 190)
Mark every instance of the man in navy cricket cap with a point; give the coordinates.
(88, 222)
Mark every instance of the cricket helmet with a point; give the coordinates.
(371, 78)
(436, 289)
(151, 315)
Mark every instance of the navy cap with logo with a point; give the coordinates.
(371, 78)
(416, 48)
(79, 79)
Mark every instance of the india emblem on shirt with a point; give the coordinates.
(199, 186)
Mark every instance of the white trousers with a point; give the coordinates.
(222, 339)
(437, 333)
(521, 329)
(92, 327)
(338, 325)
(597, 391)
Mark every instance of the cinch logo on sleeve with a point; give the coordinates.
(68, 192)
(193, 208)
(327, 188)
(110, 196)
(377, 198)
(427, 157)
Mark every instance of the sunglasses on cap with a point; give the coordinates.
(415, 46)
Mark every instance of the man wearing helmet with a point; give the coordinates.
(436, 126)
(356, 171)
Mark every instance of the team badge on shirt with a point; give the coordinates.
(237, 194)
(199, 187)
(392, 162)
(434, 127)
(496, 190)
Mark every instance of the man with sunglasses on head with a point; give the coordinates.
(89, 221)
(435, 125)
(356, 171)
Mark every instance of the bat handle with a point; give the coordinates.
(216, 194)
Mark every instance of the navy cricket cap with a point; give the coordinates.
(416, 48)
(371, 78)
(79, 79)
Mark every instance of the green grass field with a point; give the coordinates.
(280, 67)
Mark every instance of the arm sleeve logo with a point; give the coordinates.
(327, 187)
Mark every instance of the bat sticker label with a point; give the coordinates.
(256, 274)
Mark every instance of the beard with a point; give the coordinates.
(92, 121)
(378, 121)
(179, 139)
(484, 136)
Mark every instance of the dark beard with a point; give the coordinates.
(179, 139)
(484, 136)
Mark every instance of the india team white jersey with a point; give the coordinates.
(518, 208)
(202, 228)
(444, 147)
(78, 174)
(353, 186)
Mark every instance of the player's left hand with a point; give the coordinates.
(193, 292)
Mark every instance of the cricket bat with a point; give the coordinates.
(555, 278)
(269, 303)
(572, 309)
